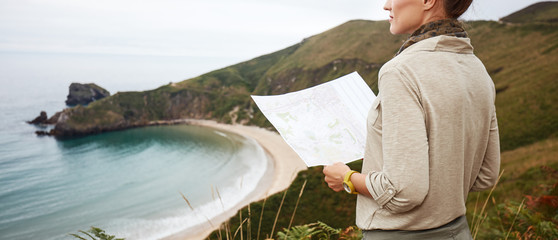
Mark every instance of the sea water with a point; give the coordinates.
(130, 183)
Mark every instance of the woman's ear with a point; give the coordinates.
(435, 8)
(429, 4)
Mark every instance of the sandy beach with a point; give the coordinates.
(286, 166)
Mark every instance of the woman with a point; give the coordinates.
(432, 132)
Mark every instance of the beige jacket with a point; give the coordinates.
(432, 137)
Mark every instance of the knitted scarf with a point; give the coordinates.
(448, 27)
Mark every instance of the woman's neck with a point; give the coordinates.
(435, 13)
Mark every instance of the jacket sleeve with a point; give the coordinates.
(403, 182)
(490, 168)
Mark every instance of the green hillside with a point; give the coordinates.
(224, 94)
(521, 60)
(538, 12)
(519, 57)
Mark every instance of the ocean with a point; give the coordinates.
(129, 183)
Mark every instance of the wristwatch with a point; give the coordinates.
(347, 184)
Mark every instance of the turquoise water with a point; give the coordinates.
(126, 182)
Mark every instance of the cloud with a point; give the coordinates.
(242, 28)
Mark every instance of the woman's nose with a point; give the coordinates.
(387, 6)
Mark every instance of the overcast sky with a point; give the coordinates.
(235, 29)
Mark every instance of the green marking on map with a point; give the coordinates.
(335, 138)
(333, 124)
(287, 116)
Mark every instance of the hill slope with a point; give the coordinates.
(519, 57)
(357, 45)
(538, 12)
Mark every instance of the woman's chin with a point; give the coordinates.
(394, 31)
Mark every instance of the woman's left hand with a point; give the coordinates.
(334, 175)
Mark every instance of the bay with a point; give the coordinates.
(126, 182)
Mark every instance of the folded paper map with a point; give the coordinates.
(324, 124)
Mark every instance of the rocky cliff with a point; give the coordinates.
(83, 94)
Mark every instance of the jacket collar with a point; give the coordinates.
(441, 43)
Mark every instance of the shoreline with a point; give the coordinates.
(286, 165)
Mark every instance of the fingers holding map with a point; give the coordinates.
(324, 124)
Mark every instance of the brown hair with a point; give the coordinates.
(454, 8)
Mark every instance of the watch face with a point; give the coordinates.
(347, 188)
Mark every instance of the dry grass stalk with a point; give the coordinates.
(278, 211)
(239, 228)
(484, 215)
(475, 212)
(212, 226)
(241, 222)
(188, 202)
(212, 193)
(261, 217)
(480, 220)
(228, 230)
(296, 206)
(220, 199)
(249, 224)
(515, 218)
(209, 221)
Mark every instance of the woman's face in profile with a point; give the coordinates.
(405, 16)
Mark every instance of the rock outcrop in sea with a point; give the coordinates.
(83, 94)
(43, 119)
(79, 94)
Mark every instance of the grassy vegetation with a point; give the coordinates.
(523, 69)
(358, 39)
(530, 175)
(317, 203)
(538, 12)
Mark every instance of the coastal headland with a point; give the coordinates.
(364, 46)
